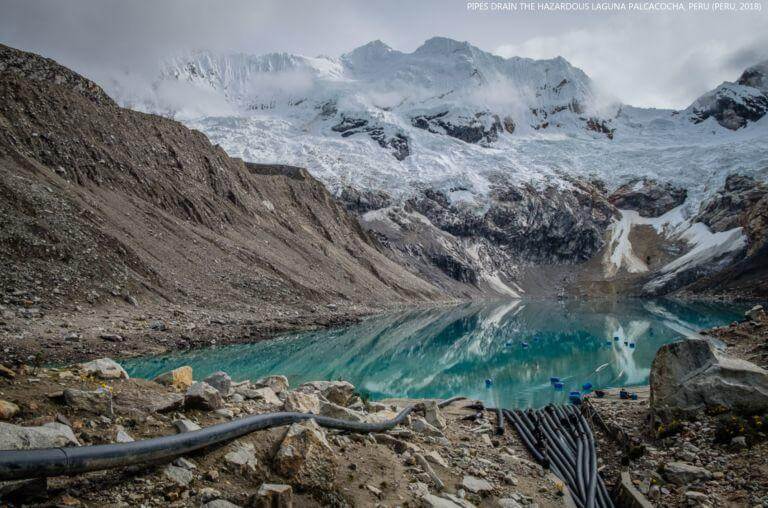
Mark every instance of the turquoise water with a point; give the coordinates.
(444, 352)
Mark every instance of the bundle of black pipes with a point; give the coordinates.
(43, 462)
(559, 438)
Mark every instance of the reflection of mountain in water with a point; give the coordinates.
(445, 352)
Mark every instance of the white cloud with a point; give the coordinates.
(654, 61)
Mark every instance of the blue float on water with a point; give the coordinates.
(616, 338)
(508, 343)
(558, 386)
(488, 383)
(586, 387)
(525, 344)
(632, 345)
(574, 397)
(554, 380)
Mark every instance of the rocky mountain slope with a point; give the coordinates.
(104, 204)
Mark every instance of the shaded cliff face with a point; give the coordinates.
(101, 202)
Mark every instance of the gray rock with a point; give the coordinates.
(691, 374)
(422, 461)
(739, 442)
(184, 463)
(220, 503)
(50, 435)
(122, 436)
(242, 457)
(648, 197)
(158, 326)
(278, 384)
(305, 456)
(184, 425)
(204, 396)
(104, 368)
(728, 208)
(221, 381)
(421, 426)
(265, 395)
(97, 402)
(300, 402)
(159, 403)
(433, 415)
(433, 501)
(338, 392)
(178, 475)
(272, 495)
(335, 411)
(681, 473)
(476, 485)
(755, 314)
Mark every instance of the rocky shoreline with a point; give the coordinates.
(675, 448)
(448, 457)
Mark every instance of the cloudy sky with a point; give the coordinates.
(646, 59)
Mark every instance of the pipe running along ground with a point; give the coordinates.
(45, 462)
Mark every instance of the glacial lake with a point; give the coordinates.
(518, 345)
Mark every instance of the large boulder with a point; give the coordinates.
(242, 457)
(180, 378)
(50, 435)
(305, 456)
(300, 402)
(97, 401)
(691, 374)
(203, 396)
(221, 381)
(8, 410)
(648, 197)
(104, 368)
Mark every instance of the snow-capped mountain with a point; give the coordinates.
(735, 105)
(451, 116)
(468, 165)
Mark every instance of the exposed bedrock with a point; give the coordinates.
(691, 375)
(648, 197)
(483, 249)
(742, 202)
(551, 224)
(480, 127)
(734, 105)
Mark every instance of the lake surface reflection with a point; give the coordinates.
(443, 352)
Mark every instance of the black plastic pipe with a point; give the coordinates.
(44, 462)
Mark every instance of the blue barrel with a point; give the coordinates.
(488, 383)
